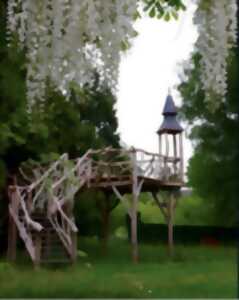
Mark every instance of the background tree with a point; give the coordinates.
(213, 169)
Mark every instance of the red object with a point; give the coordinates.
(209, 241)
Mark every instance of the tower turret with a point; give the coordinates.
(171, 141)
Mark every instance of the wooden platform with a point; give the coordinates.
(124, 185)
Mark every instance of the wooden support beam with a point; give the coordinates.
(175, 151)
(160, 151)
(122, 199)
(167, 145)
(170, 226)
(134, 211)
(168, 209)
(12, 239)
(171, 212)
(162, 206)
(181, 156)
(139, 187)
(12, 228)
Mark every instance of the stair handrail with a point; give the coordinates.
(47, 173)
(56, 204)
(17, 200)
(80, 161)
(35, 225)
(64, 216)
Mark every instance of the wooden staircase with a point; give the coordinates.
(48, 237)
(43, 216)
(51, 249)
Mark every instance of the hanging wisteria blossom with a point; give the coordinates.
(71, 40)
(217, 26)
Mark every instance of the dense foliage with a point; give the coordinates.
(213, 170)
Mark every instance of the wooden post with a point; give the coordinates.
(181, 156)
(175, 150)
(12, 228)
(170, 218)
(12, 240)
(160, 144)
(167, 145)
(160, 152)
(168, 208)
(170, 227)
(134, 223)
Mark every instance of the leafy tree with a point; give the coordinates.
(86, 121)
(213, 169)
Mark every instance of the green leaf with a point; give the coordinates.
(152, 12)
(167, 17)
(137, 16)
(148, 5)
(182, 6)
(174, 15)
(125, 45)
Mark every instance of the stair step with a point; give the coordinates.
(48, 256)
(52, 248)
(55, 261)
(48, 248)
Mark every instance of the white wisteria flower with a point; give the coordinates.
(71, 40)
(217, 27)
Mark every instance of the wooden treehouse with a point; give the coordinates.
(41, 206)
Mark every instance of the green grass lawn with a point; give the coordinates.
(195, 272)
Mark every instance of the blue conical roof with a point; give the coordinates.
(169, 106)
(170, 123)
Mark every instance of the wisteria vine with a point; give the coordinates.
(71, 40)
(217, 25)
